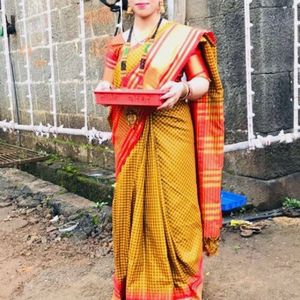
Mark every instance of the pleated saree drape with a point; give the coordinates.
(166, 206)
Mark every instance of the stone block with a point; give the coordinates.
(3, 86)
(99, 189)
(221, 7)
(39, 117)
(80, 98)
(6, 115)
(101, 111)
(271, 33)
(63, 119)
(69, 22)
(271, 162)
(101, 20)
(67, 98)
(36, 28)
(19, 63)
(42, 97)
(109, 160)
(5, 104)
(264, 194)
(57, 30)
(22, 92)
(76, 120)
(235, 109)
(25, 118)
(15, 57)
(198, 23)
(15, 42)
(95, 49)
(196, 10)
(39, 65)
(229, 30)
(10, 7)
(272, 106)
(272, 3)
(69, 62)
(34, 7)
(97, 14)
(70, 204)
(49, 117)
(99, 123)
(59, 3)
(91, 99)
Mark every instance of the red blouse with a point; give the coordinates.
(195, 67)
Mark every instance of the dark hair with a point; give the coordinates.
(116, 9)
(113, 7)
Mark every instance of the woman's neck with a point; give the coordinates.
(146, 24)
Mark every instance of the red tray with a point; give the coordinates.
(130, 97)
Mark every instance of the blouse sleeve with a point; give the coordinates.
(196, 66)
(111, 58)
(112, 53)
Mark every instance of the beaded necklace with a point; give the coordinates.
(142, 63)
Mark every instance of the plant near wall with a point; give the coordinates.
(70, 168)
(99, 205)
(52, 158)
(291, 203)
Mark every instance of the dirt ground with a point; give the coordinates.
(262, 267)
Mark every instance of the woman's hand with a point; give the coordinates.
(103, 85)
(174, 91)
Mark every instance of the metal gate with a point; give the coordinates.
(11, 156)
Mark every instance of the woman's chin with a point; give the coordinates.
(144, 14)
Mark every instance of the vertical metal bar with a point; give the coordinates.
(171, 9)
(296, 67)
(51, 64)
(83, 55)
(27, 66)
(180, 11)
(120, 25)
(249, 70)
(7, 60)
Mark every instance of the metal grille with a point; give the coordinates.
(12, 155)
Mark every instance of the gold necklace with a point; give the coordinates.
(143, 59)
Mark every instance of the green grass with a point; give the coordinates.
(100, 205)
(291, 203)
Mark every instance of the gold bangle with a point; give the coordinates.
(190, 90)
(187, 91)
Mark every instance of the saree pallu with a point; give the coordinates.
(166, 206)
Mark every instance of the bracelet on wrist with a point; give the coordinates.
(190, 90)
(186, 91)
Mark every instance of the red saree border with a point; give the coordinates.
(191, 289)
(152, 52)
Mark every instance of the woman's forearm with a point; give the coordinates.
(108, 75)
(176, 91)
(199, 87)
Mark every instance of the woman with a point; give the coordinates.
(166, 209)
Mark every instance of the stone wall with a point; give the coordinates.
(266, 175)
(99, 22)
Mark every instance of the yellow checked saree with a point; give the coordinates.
(166, 207)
